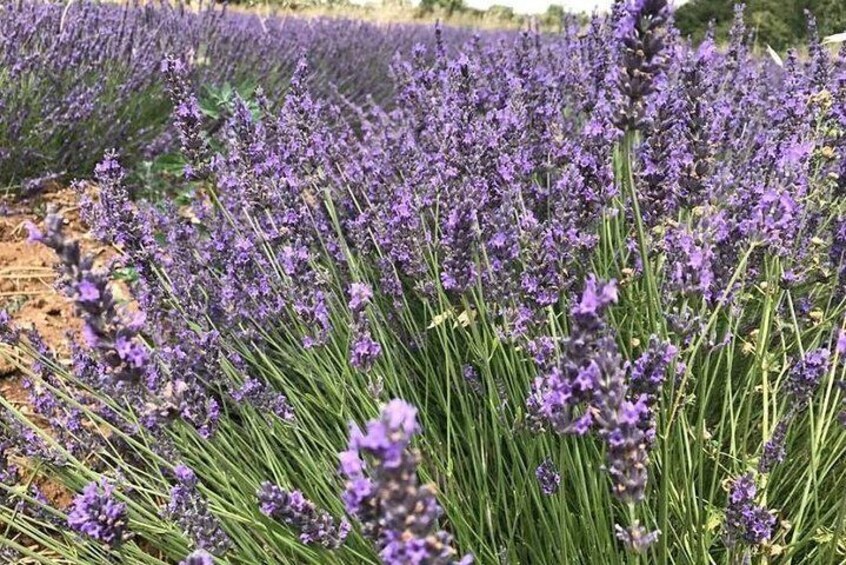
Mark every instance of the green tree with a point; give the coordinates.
(831, 16)
(501, 12)
(779, 23)
(449, 5)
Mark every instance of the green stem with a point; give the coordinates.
(656, 319)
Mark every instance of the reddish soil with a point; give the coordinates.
(28, 295)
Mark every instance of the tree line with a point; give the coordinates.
(778, 23)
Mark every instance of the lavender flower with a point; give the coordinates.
(198, 557)
(189, 509)
(471, 377)
(293, 509)
(642, 36)
(646, 380)
(804, 377)
(360, 296)
(264, 398)
(841, 343)
(364, 350)
(115, 338)
(383, 493)
(560, 396)
(188, 120)
(774, 451)
(649, 371)
(627, 443)
(548, 477)
(97, 514)
(189, 400)
(636, 538)
(746, 522)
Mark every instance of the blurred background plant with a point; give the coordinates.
(79, 78)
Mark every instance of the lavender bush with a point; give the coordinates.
(569, 299)
(83, 77)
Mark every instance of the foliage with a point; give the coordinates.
(779, 23)
(566, 301)
(81, 78)
(449, 5)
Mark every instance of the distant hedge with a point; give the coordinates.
(778, 23)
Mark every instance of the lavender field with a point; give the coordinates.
(422, 295)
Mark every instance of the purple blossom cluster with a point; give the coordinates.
(805, 376)
(99, 515)
(636, 538)
(119, 358)
(486, 187)
(105, 329)
(803, 379)
(187, 117)
(548, 477)
(384, 495)
(198, 557)
(364, 350)
(586, 388)
(641, 32)
(71, 428)
(747, 522)
(190, 511)
(85, 77)
(264, 398)
(774, 450)
(564, 396)
(294, 510)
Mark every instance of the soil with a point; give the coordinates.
(27, 293)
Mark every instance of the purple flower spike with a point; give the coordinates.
(636, 538)
(563, 395)
(34, 234)
(746, 522)
(548, 477)
(293, 509)
(805, 376)
(642, 33)
(364, 352)
(841, 343)
(264, 398)
(105, 328)
(774, 450)
(187, 117)
(360, 296)
(97, 514)
(596, 297)
(199, 557)
(189, 510)
(384, 494)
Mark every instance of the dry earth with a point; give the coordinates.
(28, 295)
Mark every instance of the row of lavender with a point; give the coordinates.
(81, 77)
(603, 271)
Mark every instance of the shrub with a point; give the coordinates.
(81, 78)
(578, 301)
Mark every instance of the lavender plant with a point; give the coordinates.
(81, 78)
(601, 268)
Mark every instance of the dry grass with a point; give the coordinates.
(395, 13)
